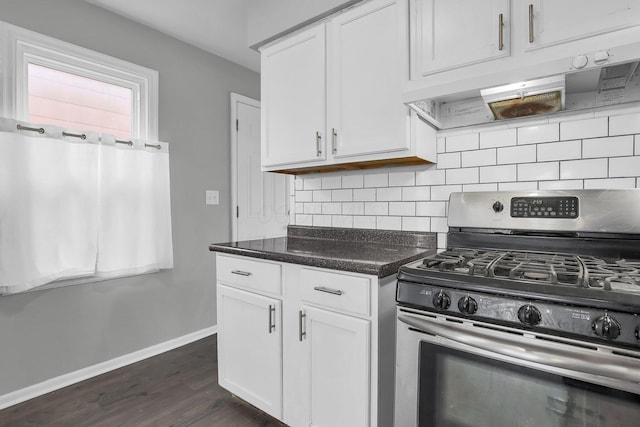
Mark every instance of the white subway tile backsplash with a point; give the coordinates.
(398, 179)
(376, 180)
(624, 166)
(614, 146)
(637, 150)
(299, 183)
(353, 181)
(479, 187)
(364, 222)
(442, 241)
(569, 150)
(343, 221)
(353, 208)
(416, 193)
(342, 195)
(541, 133)
(304, 219)
(520, 154)
(498, 173)
(431, 176)
(463, 176)
(587, 128)
(299, 207)
(331, 208)
(304, 196)
(538, 171)
(376, 208)
(312, 208)
(364, 194)
(479, 158)
(322, 220)
(439, 225)
(389, 194)
(331, 182)
(608, 183)
(441, 147)
(416, 223)
(402, 208)
(442, 192)
(624, 124)
(462, 142)
(313, 183)
(498, 138)
(431, 209)
(572, 184)
(389, 223)
(321, 195)
(579, 169)
(517, 186)
(448, 161)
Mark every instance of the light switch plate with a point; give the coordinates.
(212, 197)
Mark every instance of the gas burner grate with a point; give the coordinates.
(620, 275)
(538, 267)
(474, 262)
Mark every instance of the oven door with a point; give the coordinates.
(453, 373)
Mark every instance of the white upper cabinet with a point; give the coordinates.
(366, 113)
(341, 103)
(551, 22)
(448, 34)
(294, 100)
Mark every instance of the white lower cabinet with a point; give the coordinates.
(318, 352)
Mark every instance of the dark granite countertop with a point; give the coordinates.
(376, 252)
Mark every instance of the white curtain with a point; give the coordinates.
(73, 207)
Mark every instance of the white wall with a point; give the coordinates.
(594, 150)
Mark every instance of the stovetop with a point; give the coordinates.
(541, 268)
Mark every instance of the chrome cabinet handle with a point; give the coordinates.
(241, 273)
(319, 143)
(301, 333)
(328, 290)
(531, 23)
(272, 312)
(500, 32)
(543, 352)
(334, 138)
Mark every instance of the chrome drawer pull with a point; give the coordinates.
(241, 273)
(328, 290)
(272, 311)
(301, 333)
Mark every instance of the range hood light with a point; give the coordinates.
(528, 98)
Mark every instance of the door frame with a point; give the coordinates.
(235, 99)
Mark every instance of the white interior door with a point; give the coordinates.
(261, 199)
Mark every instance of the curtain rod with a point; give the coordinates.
(83, 136)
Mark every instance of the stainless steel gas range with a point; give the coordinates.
(531, 317)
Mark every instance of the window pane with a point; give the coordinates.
(74, 102)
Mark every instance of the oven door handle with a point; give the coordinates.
(549, 353)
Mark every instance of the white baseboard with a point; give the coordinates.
(65, 380)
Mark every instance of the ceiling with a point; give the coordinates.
(217, 26)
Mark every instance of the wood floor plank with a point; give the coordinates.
(178, 388)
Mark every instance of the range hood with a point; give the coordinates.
(576, 89)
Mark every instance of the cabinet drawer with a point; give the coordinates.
(336, 290)
(247, 273)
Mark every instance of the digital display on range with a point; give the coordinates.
(545, 207)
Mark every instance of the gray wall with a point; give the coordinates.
(267, 19)
(49, 333)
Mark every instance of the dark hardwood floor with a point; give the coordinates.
(176, 388)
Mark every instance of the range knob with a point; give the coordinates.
(498, 206)
(441, 300)
(607, 327)
(467, 305)
(529, 315)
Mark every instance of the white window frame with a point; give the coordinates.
(22, 47)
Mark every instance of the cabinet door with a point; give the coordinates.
(366, 113)
(449, 34)
(293, 99)
(250, 348)
(338, 368)
(553, 22)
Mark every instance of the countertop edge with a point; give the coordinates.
(380, 271)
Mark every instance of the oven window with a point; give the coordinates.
(458, 389)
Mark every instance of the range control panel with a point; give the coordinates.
(545, 207)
